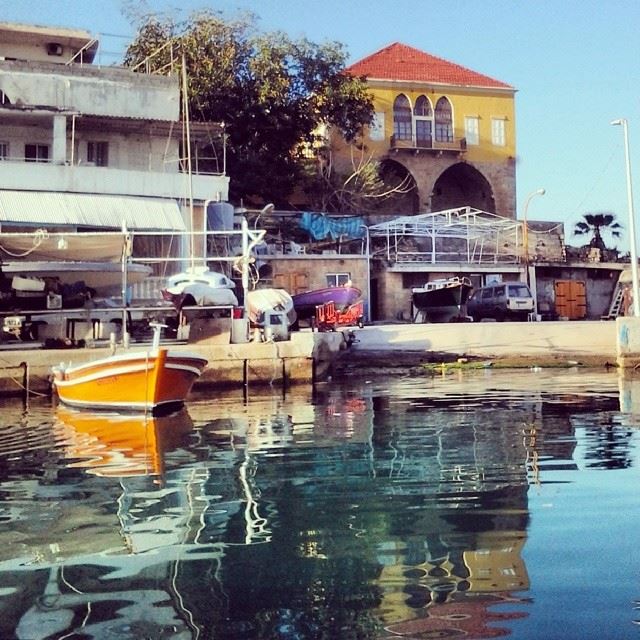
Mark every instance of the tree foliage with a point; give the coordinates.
(595, 224)
(272, 93)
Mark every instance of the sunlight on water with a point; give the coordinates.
(477, 504)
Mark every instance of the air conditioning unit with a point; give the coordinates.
(54, 49)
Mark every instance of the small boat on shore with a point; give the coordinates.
(200, 287)
(442, 300)
(156, 380)
(105, 278)
(342, 297)
(263, 301)
(57, 247)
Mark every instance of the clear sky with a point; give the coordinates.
(574, 63)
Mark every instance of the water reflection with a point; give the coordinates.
(116, 444)
(361, 510)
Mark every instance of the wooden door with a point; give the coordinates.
(292, 282)
(571, 299)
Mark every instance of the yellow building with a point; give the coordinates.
(449, 130)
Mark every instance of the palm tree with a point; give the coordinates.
(595, 224)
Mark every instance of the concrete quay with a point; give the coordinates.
(593, 342)
(305, 358)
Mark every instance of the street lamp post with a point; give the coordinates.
(525, 226)
(632, 230)
(525, 241)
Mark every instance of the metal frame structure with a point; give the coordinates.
(484, 238)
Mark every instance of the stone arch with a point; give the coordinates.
(394, 173)
(462, 185)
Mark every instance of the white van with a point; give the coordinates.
(505, 301)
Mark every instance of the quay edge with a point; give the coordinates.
(306, 358)
(592, 343)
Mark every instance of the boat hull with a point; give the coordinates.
(104, 277)
(261, 301)
(445, 304)
(156, 380)
(305, 303)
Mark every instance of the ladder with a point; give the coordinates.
(617, 299)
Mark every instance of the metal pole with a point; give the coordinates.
(632, 230)
(525, 242)
(525, 227)
(245, 265)
(368, 249)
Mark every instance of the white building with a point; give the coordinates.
(92, 147)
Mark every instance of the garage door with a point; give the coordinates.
(571, 299)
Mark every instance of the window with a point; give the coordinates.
(338, 279)
(98, 153)
(497, 132)
(402, 118)
(422, 108)
(472, 129)
(444, 121)
(519, 291)
(36, 152)
(4, 150)
(424, 122)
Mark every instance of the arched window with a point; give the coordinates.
(424, 122)
(423, 107)
(444, 121)
(402, 118)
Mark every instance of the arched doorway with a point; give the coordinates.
(462, 185)
(404, 195)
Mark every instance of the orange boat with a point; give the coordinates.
(155, 380)
(116, 444)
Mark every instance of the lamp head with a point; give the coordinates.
(618, 121)
(540, 192)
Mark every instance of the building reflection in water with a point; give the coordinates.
(377, 513)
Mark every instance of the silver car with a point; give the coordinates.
(504, 301)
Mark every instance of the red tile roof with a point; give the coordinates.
(403, 63)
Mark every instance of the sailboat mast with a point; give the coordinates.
(187, 131)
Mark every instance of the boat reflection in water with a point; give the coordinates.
(119, 444)
(399, 510)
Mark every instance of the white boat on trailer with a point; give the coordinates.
(442, 300)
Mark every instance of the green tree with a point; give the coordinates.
(271, 92)
(595, 224)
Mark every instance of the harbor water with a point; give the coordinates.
(472, 504)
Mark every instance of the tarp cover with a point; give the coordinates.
(320, 226)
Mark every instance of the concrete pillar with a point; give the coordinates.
(628, 341)
(59, 150)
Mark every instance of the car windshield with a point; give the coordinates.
(519, 291)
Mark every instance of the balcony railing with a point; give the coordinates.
(47, 176)
(416, 145)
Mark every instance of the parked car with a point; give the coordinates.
(508, 300)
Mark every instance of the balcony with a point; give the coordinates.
(46, 176)
(433, 147)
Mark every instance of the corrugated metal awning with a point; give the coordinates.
(43, 208)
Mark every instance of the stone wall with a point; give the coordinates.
(297, 274)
